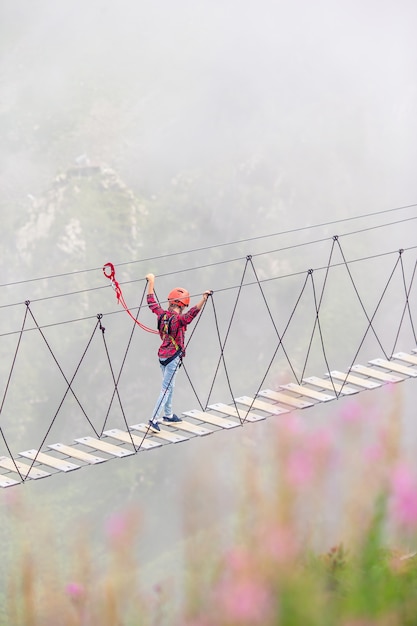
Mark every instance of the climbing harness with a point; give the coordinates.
(164, 327)
(110, 273)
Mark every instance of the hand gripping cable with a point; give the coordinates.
(110, 273)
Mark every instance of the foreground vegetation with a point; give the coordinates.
(323, 533)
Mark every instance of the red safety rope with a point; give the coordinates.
(111, 275)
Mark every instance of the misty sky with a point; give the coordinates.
(322, 92)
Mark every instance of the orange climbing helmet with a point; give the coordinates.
(179, 296)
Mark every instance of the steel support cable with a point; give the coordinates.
(273, 251)
(406, 308)
(102, 328)
(123, 363)
(408, 304)
(6, 391)
(165, 274)
(272, 319)
(62, 402)
(354, 232)
(317, 307)
(223, 344)
(278, 345)
(194, 267)
(365, 230)
(221, 358)
(59, 366)
(186, 346)
(359, 298)
(57, 295)
(139, 308)
(216, 323)
(321, 332)
(192, 386)
(370, 322)
(293, 274)
(224, 244)
(233, 287)
(127, 282)
(193, 331)
(148, 429)
(53, 325)
(278, 234)
(316, 269)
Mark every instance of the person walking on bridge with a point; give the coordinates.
(172, 324)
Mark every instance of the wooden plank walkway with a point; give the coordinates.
(86, 451)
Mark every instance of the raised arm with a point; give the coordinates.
(206, 294)
(151, 282)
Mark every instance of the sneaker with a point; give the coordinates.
(154, 426)
(173, 419)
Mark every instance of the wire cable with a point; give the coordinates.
(229, 243)
(218, 290)
(198, 267)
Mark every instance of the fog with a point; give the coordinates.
(216, 122)
(318, 99)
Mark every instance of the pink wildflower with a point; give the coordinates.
(245, 602)
(280, 543)
(75, 592)
(321, 441)
(292, 425)
(390, 388)
(404, 497)
(238, 560)
(373, 453)
(116, 526)
(300, 468)
(351, 411)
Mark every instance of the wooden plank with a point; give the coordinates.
(328, 384)
(194, 429)
(408, 358)
(172, 437)
(285, 399)
(308, 393)
(76, 453)
(240, 415)
(395, 367)
(211, 419)
(5, 481)
(267, 407)
(373, 373)
(51, 461)
(23, 468)
(104, 446)
(126, 437)
(355, 380)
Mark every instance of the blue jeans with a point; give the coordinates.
(164, 401)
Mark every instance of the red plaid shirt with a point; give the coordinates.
(178, 326)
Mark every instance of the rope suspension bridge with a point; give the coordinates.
(310, 307)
